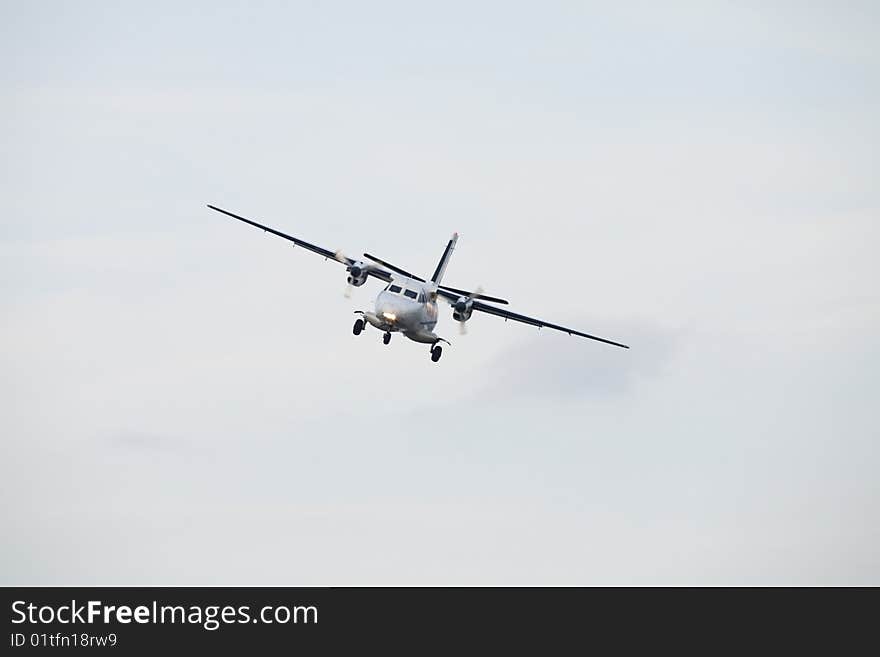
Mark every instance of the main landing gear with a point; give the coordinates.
(358, 326)
(436, 352)
(386, 338)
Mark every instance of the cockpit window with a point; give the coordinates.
(410, 294)
(395, 289)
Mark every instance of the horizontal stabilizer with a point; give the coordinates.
(402, 272)
(465, 293)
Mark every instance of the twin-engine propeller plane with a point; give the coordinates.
(408, 304)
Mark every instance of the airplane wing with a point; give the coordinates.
(327, 253)
(506, 314)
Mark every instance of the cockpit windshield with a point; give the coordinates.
(395, 289)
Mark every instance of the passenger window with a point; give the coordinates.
(410, 294)
(395, 289)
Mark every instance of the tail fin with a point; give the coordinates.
(447, 254)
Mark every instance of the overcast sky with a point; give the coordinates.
(183, 401)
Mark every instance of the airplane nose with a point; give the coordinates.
(388, 311)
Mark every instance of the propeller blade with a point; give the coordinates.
(476, 294)
(348, 262)
(341, 257)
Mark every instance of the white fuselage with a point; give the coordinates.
(406, 306)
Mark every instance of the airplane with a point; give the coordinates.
(408, 303)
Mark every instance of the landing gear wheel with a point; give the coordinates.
(358, 327)
(436, 352)
(386, 338)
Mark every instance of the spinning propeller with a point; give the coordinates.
(463, 307)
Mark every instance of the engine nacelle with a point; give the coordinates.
(462, 309)
(357, 273)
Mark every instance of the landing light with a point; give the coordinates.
(389, 316)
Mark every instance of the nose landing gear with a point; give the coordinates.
(358, 326)
(386, 338)
(436, 352)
